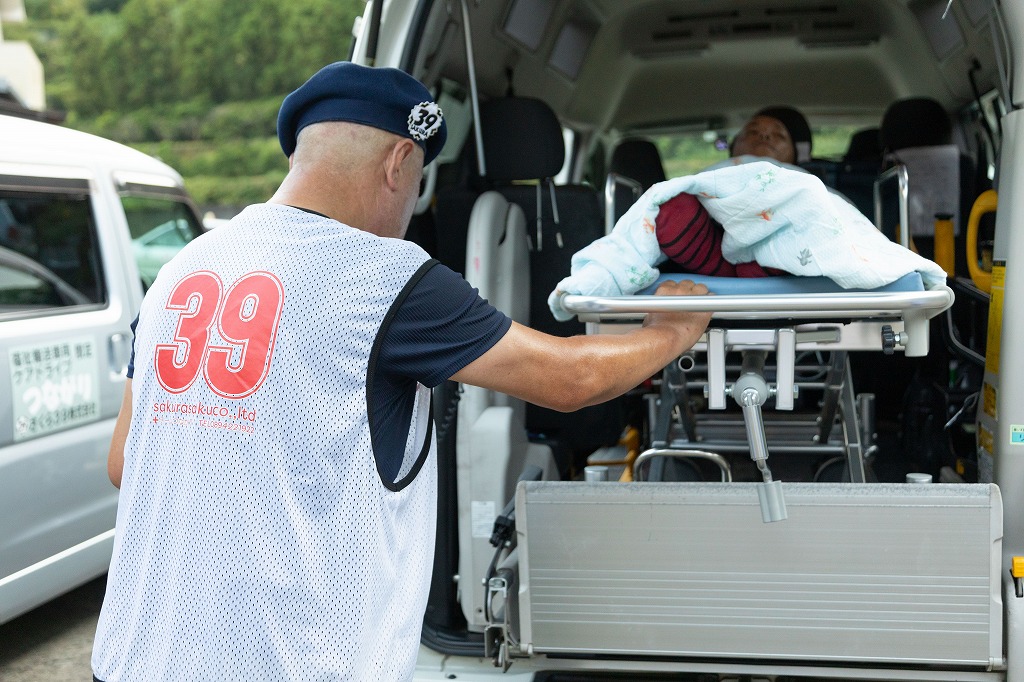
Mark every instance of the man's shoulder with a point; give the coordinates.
(411, 249)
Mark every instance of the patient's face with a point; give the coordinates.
(765, 136)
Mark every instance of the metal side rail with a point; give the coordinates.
(914, 308)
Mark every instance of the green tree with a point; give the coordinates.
(96, 6)
(275, 45)
(147, 71)
(329, 25)
(47, 10)
(87, 43)
(260, 45)
(207, 52)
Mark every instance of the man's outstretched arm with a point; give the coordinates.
(567, 374)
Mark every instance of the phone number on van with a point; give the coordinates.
(53, 386)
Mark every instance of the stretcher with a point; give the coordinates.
(784, 317)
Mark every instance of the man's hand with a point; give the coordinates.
(689, 325)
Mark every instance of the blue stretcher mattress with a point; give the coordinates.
(785, 284)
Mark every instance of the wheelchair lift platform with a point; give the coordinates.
(879, 575)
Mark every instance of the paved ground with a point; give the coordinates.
(53, 643)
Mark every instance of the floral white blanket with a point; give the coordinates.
(778, 217)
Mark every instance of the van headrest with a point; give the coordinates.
(522, 139)
(915, 122)
(638, 159)
(865, 145)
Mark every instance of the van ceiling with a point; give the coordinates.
(711, 63)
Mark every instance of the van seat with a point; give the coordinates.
(857, 171)
(523, 141)
(523, 151)
(918, 131)
(638, 159)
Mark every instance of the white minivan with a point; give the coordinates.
(85, 224)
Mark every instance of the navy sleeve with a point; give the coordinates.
(131, 358)
(440, 327)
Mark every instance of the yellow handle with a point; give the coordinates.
(985, 203)
(944, 246)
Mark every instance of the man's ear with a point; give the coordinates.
(395, 161)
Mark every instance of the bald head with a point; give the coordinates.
(359, 175)
(340, 147)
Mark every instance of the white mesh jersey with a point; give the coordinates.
(255, 538)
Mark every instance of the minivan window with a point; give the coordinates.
(48, 252)
(160, 227)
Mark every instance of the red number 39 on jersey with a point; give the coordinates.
(246, 318)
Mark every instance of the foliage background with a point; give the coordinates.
(195, 82)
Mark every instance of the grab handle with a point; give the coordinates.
(985, 203)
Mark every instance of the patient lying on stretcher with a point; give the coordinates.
(748, 219)
(690, 238)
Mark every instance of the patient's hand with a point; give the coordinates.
(689, 325)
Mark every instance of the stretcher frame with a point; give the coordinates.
(913, 308)
(855, 320)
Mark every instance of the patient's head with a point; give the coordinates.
(765, 136)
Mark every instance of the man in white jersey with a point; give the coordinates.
(274, 448)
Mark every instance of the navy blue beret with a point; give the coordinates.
(379, 97)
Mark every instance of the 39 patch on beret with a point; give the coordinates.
(425, 120)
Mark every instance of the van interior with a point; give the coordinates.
(561, 114)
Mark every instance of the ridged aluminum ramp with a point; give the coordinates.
(874, 574)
